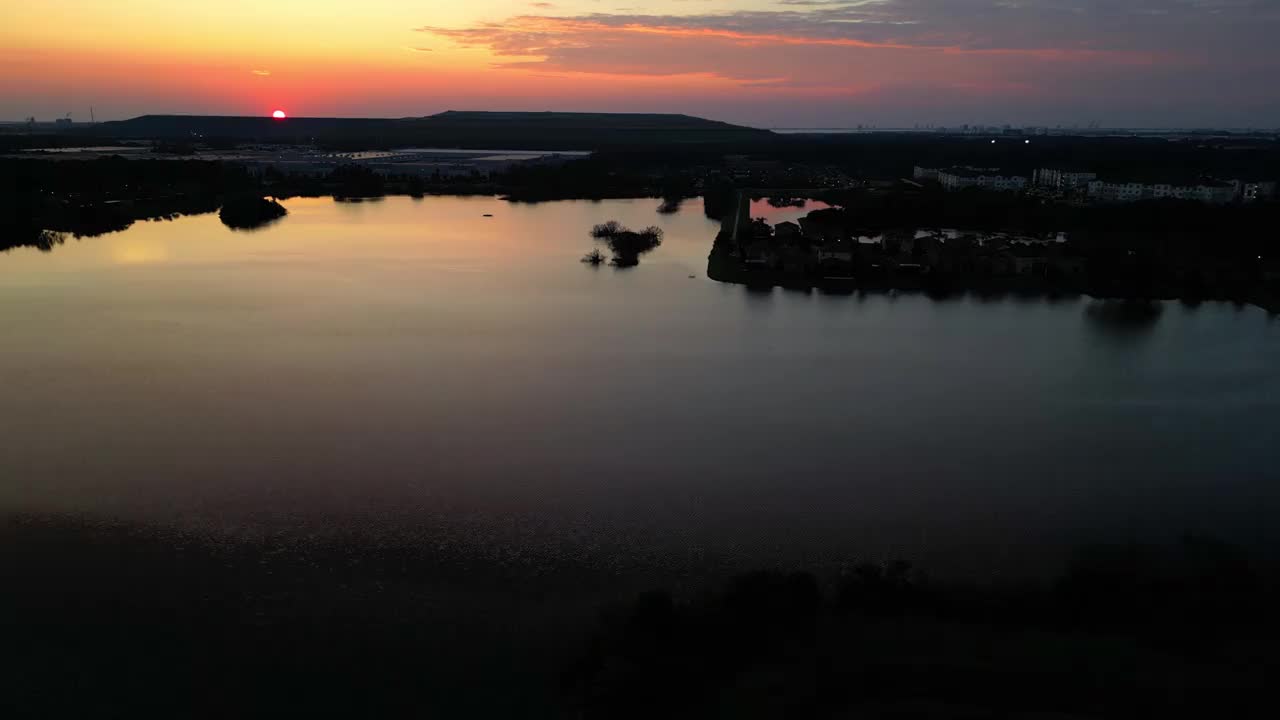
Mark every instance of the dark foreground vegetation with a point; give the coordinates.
(1126, 631)
(119, 620)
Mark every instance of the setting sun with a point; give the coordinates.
(279, 115)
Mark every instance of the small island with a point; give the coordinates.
(249, 212)
(627, 245)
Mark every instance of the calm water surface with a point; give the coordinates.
(412, 364)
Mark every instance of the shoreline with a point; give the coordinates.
(99, 218)
(725, 269)
(725, 265)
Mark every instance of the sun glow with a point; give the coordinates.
(279, 115)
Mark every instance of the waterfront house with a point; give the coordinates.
(759, 253)
(786, 232)
(841, 251)
(819, 229)
(1029, 259)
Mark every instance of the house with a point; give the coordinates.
(892, 242)
(998, 263)
(1029, 260)
(820, 230)
(928, 250)
(786, 232)
(842, 251)
(794, 259)
(901, 245)
(1065, 264)
(759, 253)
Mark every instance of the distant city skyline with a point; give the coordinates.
(779, 63)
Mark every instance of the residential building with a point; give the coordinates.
(1064, 179)
(819, 230)
(988, 179)
(786, 232)
(841, 251)
(1212, 192)
(1252, 191)
(924, 173)
(1104, 191)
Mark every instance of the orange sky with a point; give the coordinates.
(754, 61)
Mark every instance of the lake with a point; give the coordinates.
(410, 367)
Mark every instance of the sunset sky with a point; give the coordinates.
(787, 63)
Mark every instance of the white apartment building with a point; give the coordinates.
(1064, 179)
(924, 173)
(1213, 193)
(960, 178)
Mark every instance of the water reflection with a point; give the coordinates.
(1124, 319)
(421, 364)
(140, 252)
(776, 210)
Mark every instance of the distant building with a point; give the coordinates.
(1118, 192)
(1064, 179)
(1252, 191)
(1212, 192)
(924, 173)
(986, 178)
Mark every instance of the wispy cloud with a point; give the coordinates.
(1037, 51)
(261, 73)
(731, 45)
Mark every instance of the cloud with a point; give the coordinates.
(261, 73)
(745, 46)
(1023, 51)
(1133, 26)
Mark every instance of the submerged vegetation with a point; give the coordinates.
(627, 245)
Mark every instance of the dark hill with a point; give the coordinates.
(516, 130)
